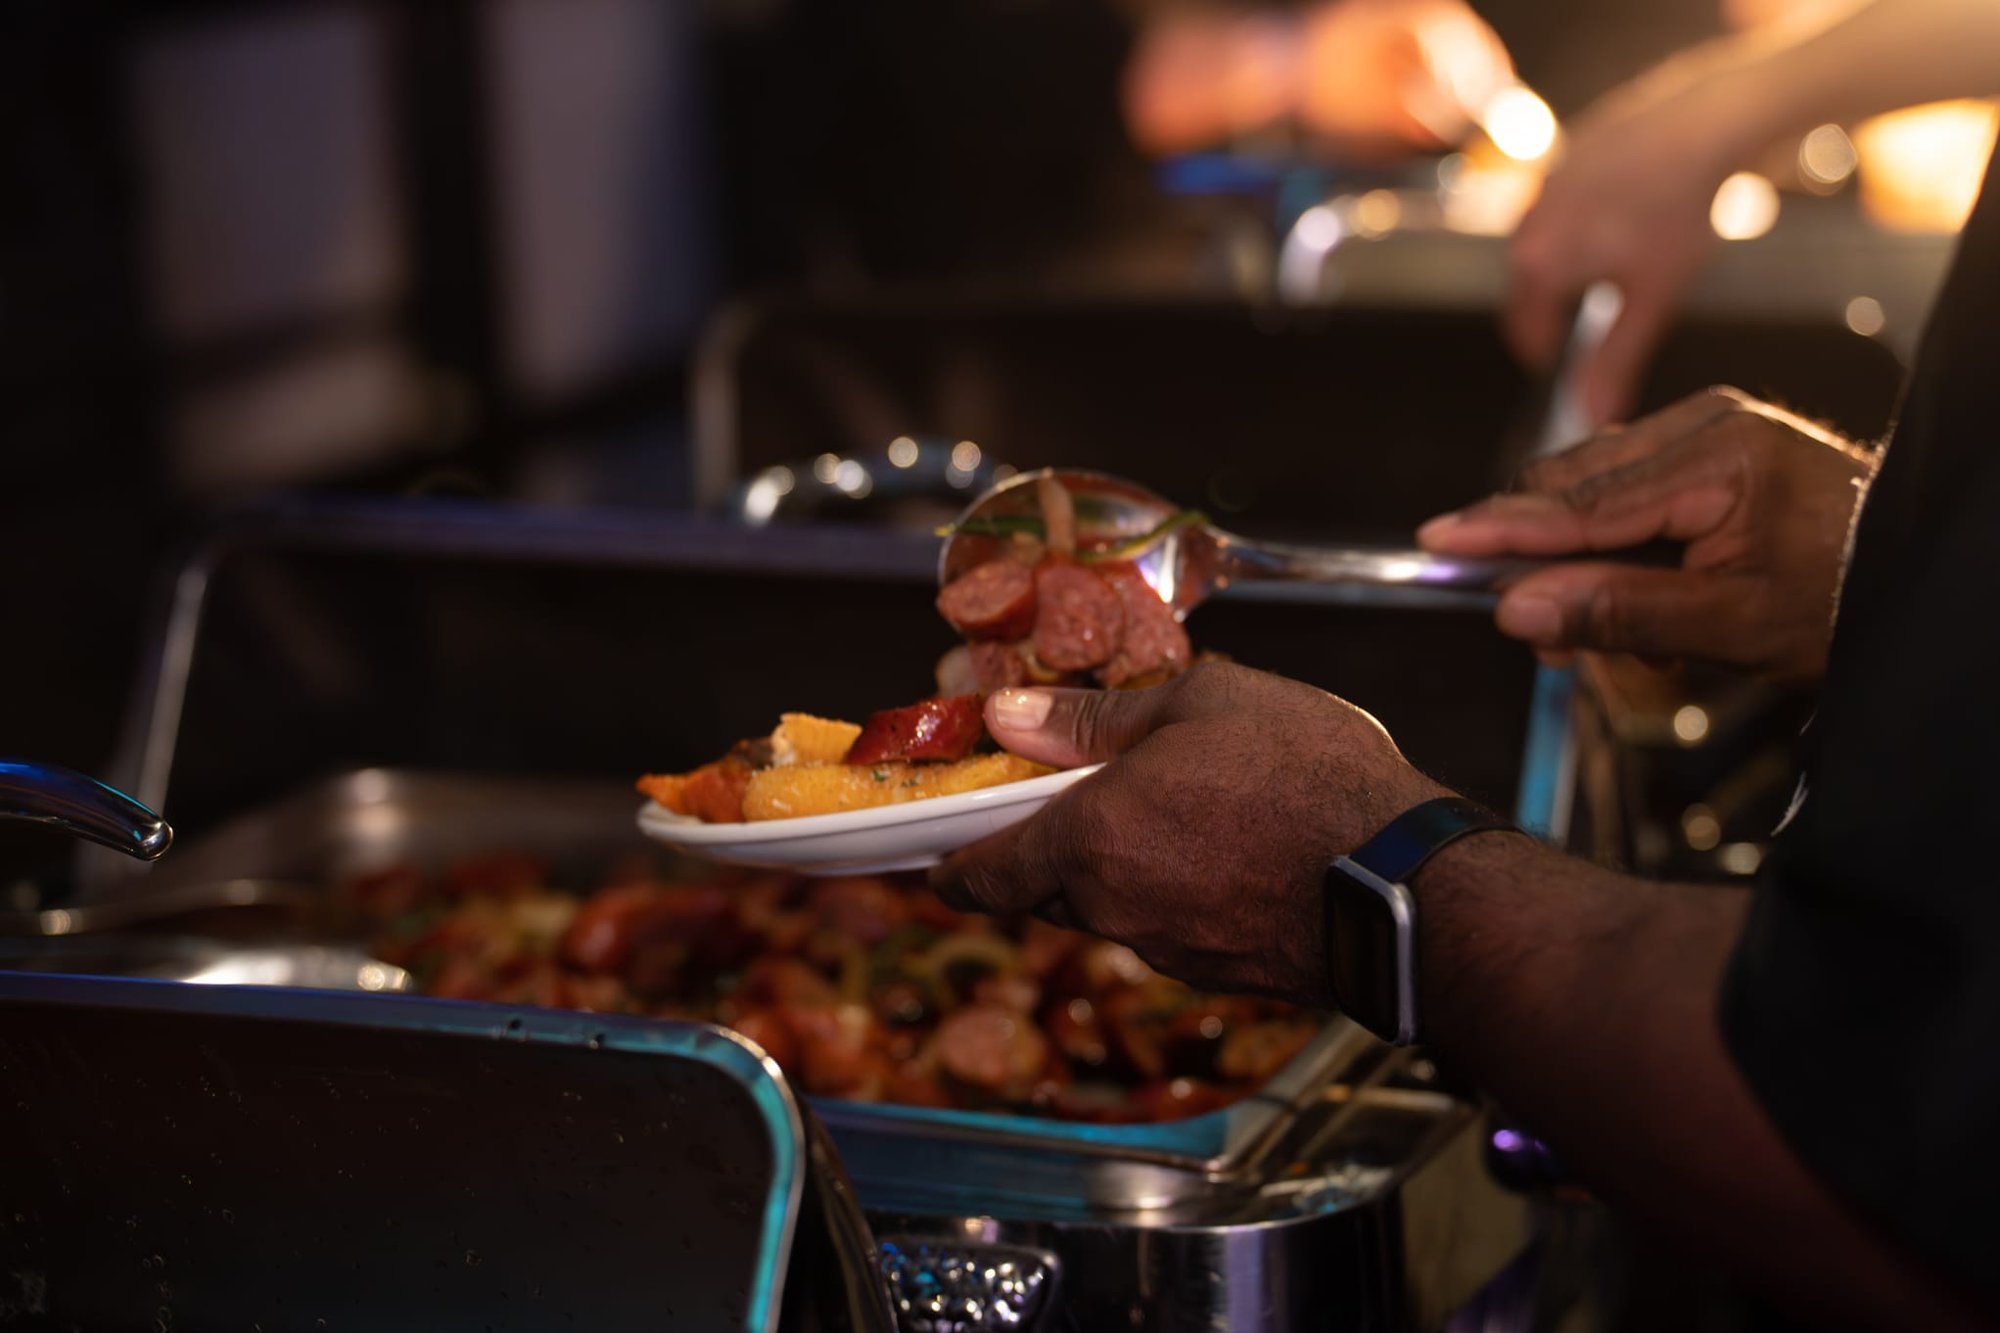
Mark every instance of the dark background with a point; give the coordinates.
(470, 247)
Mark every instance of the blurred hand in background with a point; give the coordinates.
(1629, 201)
(1365, 80)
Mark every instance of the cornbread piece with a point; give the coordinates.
(787, 793)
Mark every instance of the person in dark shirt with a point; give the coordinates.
(1801, 1079)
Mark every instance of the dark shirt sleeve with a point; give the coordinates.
(1863, 1004)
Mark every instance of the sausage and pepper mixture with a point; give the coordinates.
(863, 988)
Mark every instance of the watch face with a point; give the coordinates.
(1369, 947)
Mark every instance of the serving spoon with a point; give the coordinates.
(1186, 558)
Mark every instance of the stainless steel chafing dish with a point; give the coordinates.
(438, 638)
(270, 875)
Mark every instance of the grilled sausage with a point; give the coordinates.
(862, 908)
(995, 600)
(1154, 643)
(934, 729)
(1079, 618)
(993, 1050)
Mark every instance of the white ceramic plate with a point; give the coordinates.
(910, 836)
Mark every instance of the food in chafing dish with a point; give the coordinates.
(864, 988)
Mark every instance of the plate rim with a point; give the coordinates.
(659, 822)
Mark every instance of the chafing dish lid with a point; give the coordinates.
(228, 1157)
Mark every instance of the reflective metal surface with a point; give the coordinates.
(1383, 1219)
(940, 1287)
(206, 962)
(1187, 564)
(908, 475)
(83, 807)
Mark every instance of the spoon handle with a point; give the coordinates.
(1243, 560)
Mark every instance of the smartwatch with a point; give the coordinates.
(1371, 915)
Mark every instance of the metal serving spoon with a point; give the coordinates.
(1186, 558)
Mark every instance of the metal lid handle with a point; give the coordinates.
(82, 807)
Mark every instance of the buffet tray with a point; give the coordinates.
(271, 873)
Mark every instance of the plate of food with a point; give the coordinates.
(813, 797)
(913, 784)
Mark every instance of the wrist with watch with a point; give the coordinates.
(1371, 915)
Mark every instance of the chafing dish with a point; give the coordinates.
(451, 649)
(1339, 1193)
(287, 860)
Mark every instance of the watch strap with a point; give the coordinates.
(1421, 832)
(1371, 914)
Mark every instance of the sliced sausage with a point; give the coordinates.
(993, 1050)
(786, 983)
(997, 666)
(1079, 618)
(863, 908)
(933, 729)
(995, 600)
(767, 1027)
(840, 1051)
(1155, 644)
(601, 934)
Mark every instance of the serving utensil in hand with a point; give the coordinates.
(1185, 557)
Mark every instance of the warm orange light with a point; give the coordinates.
(1744, 208)
(1826, 159)
(1519, 123)
(1921, 168)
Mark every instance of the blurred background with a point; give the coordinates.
(837, 258)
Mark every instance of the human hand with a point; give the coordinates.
(1380, 78)
(1204, 843)
(1628, 204)
(1763, 499)
(1371, 80)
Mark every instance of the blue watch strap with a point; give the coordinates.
(1371, 914)
(1421, 832)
